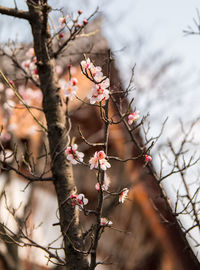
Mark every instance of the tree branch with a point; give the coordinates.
(15, 13)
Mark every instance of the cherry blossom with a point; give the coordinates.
(30, 53)
(99, 92)
(73, 155)
(70, 90)
(79, 200)
(133, 117)
(99, 160)
(96, 73)
(86, 64)
(26, 64)
(105, 185)
(123, 195)
(62, 21)
(148, 158)
(105, 222)
(59, 70)
(9, 93)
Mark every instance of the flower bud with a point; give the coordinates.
(85, 21)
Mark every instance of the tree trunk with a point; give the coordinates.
(57, 130)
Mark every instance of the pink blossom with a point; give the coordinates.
(101, 154)
(99, 160)
(123, 195)
(73, 155)
(30, 53)
(70, 90)
(62, 21)
(86, 64)
(9, 93)
(133, 117)
(105, 222)
(94, 162)
(79, 200)
(104, 164)
(59, 70)
(105, 185)
(148, 158)
(26, 64)
(98, 93)
(96, 73)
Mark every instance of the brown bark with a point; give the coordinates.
(14, 13)
(56, 123)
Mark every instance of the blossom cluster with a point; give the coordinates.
(133, 117)
(99, 91)
(75, 24)
(99, 160)
(29, 65)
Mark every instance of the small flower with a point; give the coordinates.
(105, 222)
(79, 201)
(123, 195)
(73, 155)
(148, 158)
(104, 164)
(99, 160)
(70, 90)
(9, 93)
(80, 12)
(82, 200)
(98, 94)
(101, 155)
(62, 21)
(94, 162)
(59, 70)
(11, 82)
(86, 64)
(26, 64)
(105, 185)
(30, 53)
(133, 117)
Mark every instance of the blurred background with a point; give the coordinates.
(151, 35)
